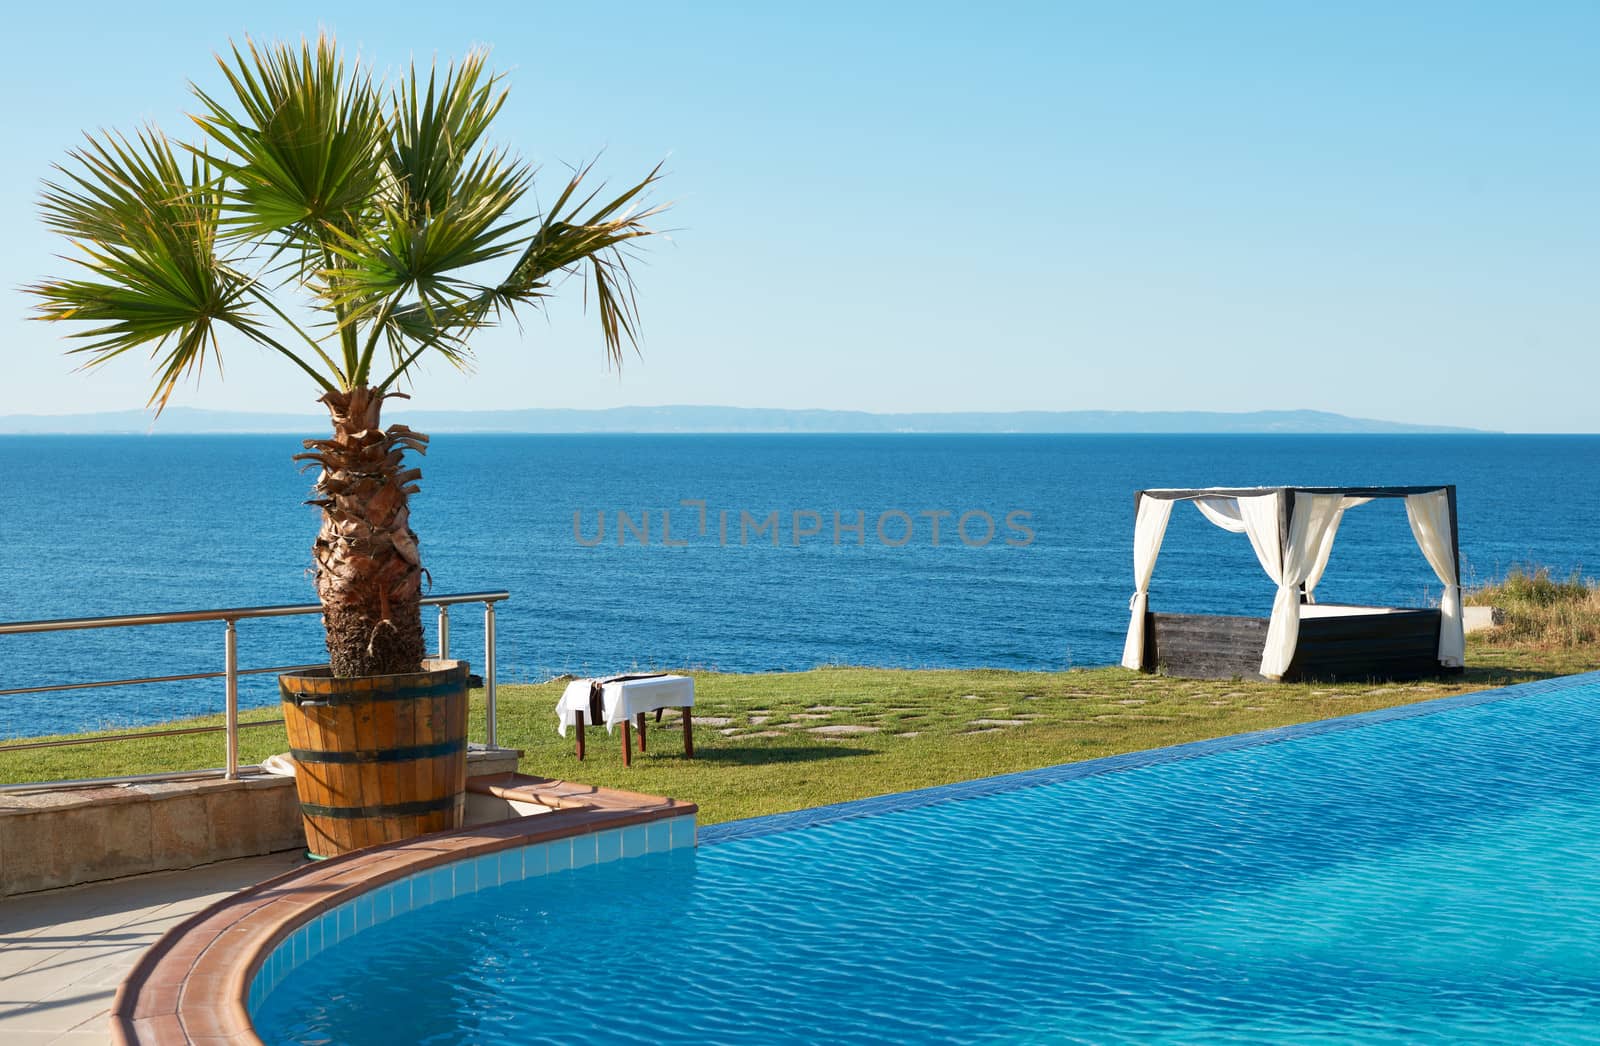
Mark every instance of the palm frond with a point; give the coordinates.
(146, 226)
(405, 275)
(433, 327)
(569, 241)
(435, 130)
(302, 142)
(405, 250)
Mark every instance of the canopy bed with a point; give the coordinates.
(1291, 530)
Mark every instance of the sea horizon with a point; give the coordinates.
(702, 419)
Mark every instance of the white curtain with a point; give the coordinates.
(1224, 512)
(1321, 564)
(1259, 518)
(1288, 563)
(1430, 525)
(1149, 528)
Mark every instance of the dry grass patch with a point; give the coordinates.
(1541, 610)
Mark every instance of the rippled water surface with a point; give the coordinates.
(1400, 877)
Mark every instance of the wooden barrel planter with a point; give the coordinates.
(377, 758)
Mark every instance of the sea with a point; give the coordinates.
(734, 553)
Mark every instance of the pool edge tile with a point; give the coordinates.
(635, 841)
(536, 860)
(560, 854)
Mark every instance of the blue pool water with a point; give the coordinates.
(1429, 874)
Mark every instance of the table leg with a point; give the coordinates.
(627, 744)
(641, 733)
(579, 716)
(688, 734)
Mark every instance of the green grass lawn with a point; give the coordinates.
(758, 749)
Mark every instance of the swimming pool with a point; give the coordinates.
(1429, 873)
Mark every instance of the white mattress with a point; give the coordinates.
(1340, 610)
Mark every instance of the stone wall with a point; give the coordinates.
(61, 838)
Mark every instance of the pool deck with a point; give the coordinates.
(64, 952)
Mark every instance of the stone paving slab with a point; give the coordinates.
(64, 952)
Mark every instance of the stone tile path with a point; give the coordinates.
(63, 953)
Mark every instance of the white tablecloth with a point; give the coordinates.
(624, 700)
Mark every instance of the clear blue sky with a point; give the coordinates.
(1382, 209)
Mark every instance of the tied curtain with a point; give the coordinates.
(1225, 513)
(1430, 524)
(1149, 528)
(1300, 560)
(1321, 564)
(1288, 563)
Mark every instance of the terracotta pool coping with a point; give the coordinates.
(192, 985)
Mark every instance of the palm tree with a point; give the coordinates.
(380, 209)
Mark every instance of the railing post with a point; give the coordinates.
(488, 672)
(230, 670)
(444, 631)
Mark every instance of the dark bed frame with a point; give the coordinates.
(1397, 644)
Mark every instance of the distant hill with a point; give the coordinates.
(726, 419)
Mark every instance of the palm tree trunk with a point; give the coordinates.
(368, 572)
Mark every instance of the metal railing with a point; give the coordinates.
(230, 675)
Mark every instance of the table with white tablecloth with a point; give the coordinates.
(624, 701)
